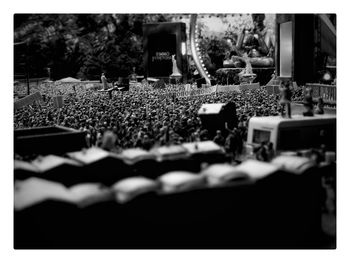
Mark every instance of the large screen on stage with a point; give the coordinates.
(286, 49)
(161, 41)
(160, 49)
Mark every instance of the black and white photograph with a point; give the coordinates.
(174, 130)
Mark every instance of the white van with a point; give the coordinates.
(297, 133)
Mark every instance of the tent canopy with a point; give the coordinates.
(68, 79)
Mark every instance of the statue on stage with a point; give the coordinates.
(176, 75)
(308, 103)
(104, 81)
(176, 71)
(247, 75)
(257, 43)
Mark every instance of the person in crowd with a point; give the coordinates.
(104, 81)
(231, 144)
(320, 106)
(270, 151)
(286, 98)
(204, 135)
(108, 141)
(219, 139)
(143, 119)
(261, 152)
(308, 104)
(146, 142)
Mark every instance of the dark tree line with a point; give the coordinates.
(80, 45)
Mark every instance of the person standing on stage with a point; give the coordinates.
(285, 99)
(104, 81)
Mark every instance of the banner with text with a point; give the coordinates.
(28, 100)
(57, 102)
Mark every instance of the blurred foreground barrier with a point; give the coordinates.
(275, 210)
(251, 205)
(48, 140)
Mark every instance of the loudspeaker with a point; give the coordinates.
(200, 82)
(214, 116)
(160, 42)
(295, 47)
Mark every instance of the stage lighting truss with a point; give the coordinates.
(195, 48)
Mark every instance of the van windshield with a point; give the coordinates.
(260, 136)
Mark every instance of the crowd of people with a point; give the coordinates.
(145, 118)
(141, 117)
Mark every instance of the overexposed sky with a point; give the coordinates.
(218, 25)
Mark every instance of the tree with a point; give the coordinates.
(214, 50)
(83, 45)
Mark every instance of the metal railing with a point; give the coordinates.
(327, 92)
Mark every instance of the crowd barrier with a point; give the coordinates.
(174, 91)
(273, 89)
(211, 90)
(182, 92)
(197, 92)
(228, 88)
(327, 92)
(171, 91)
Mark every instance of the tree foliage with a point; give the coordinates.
(85, 45)
(214, 50)
(80, 45)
